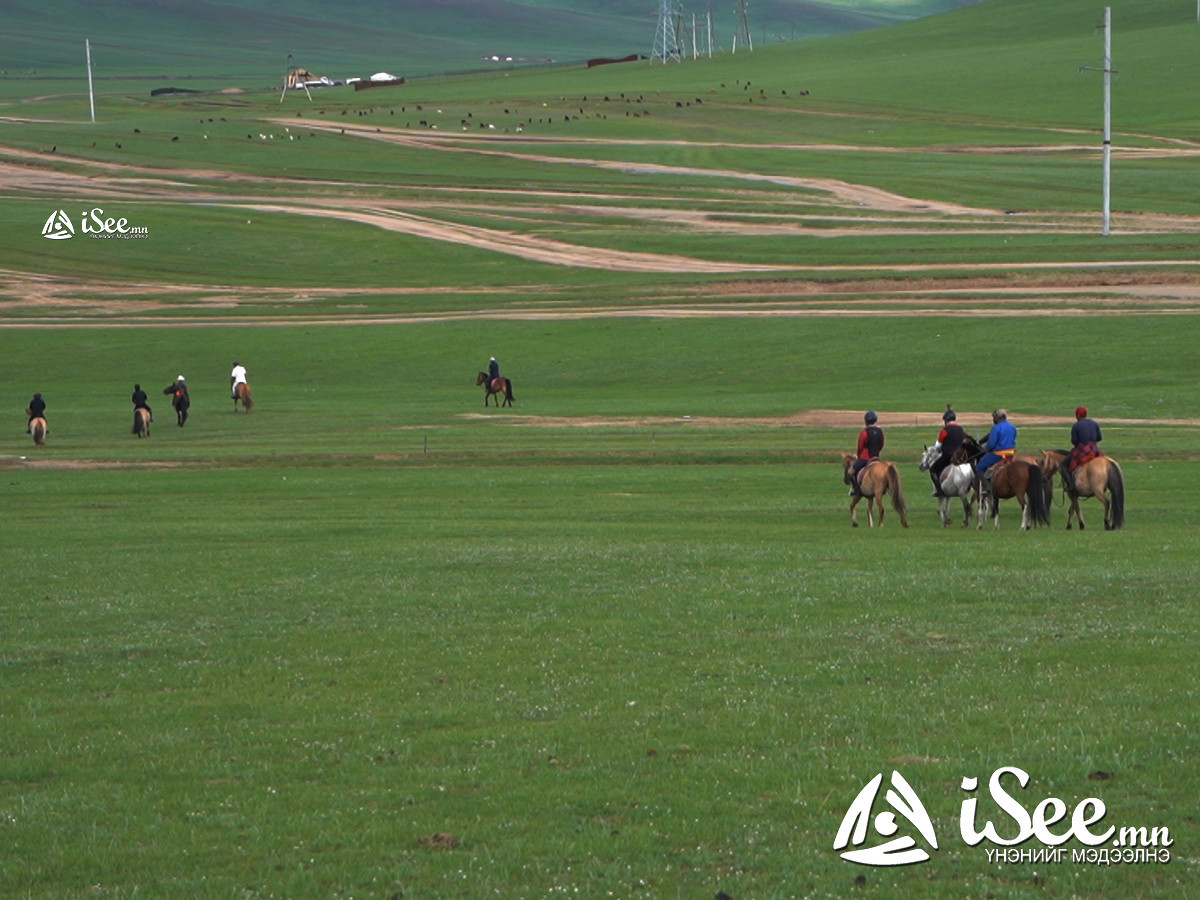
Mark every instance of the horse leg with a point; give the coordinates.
(853, 515)
(1024, 512)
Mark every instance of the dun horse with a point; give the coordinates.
(1021, 478)
(241, 394)
(37, 428)
(874, 481)
(141, 422)
(1100, 478)
(500, 385)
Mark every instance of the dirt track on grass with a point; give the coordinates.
(951, 288)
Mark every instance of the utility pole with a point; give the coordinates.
(1107, 71)
(666, 47)
(87, 46)
(741, 28)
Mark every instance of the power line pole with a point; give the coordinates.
(1107, 71)
(87, 45)
(742, 28)
(666, 48)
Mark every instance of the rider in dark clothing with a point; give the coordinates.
(1085, 435)
(493, 371)
(950, 441)
(870, 445)
(141, 401)
(36, 410)
(179, 399)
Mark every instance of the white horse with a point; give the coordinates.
(957, 481)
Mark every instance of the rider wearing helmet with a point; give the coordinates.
(1000, 444)
(949, 441)
(870, 445)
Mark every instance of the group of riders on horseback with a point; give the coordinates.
(239, 390)
(977, 465)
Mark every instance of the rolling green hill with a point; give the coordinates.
(244, 40)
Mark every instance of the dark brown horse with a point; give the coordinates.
(241, 394)
(495, 387)
(874, 481)
(1022, 478)
(1100, 478)
(141, 422)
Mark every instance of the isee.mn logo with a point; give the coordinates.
(93, 223)
(1052, 824)
(58, 227)
(899, 851)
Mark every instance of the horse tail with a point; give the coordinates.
(508, 389)
(247, 402)
(1035, 496)
(38, 430)
(1116, 495)
(893, 478)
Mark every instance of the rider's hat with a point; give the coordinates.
(870, 418)
(1080, 412)
(1000, 413)
(179, 378)
(948, 415)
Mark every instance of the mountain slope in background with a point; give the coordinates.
(251, 39)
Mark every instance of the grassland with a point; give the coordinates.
(374, 640)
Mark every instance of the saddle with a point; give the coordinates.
(1084, 455)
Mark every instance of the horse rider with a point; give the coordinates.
(35, 410)
(870, 445)
(236, 377)
(1000, 445)
(1085, 435)
(949, 441)
(140, 401)
(493, 372)
(179, 387)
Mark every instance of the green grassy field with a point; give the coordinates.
(375, 640)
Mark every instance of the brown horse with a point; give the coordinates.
(37, 427)
(241, 393)
(1021, 478)
(500, 385)
(141, 422)
(877, 479)
(1100, 478)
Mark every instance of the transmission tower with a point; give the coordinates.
(741, 28)
(666, 47)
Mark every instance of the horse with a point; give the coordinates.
(497, 386)
(1092, 479)
(241, 393)
(141, 422)
(181, 401)
(1020, 477)
(37, 428)
(875, 480)
(958, 480)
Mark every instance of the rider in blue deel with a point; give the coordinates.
(1000, 444)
